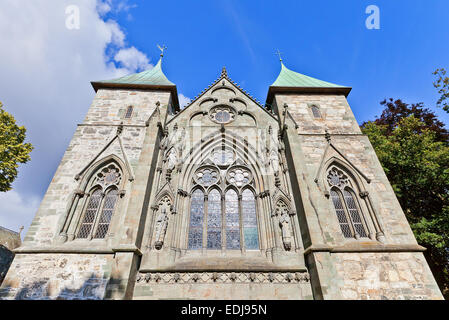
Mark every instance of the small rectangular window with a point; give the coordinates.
(129, 112)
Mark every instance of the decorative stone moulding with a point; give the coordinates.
(109, 175)
(223, 277)
(337, 178)
(222, 157)
(222, 114)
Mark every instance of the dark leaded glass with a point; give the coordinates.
(250, 231)
(214, 220)
(196, 220)
(106, 214)
(341, 216)
(89, 216)
(354, 213)
(232, 220)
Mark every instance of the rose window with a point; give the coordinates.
(337, 178)
(239, 176)
(207, 176)
(109, 175)
(222, 114)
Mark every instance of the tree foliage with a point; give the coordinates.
(416, 162)
(13, 149)
(442, 84)
(396, 110)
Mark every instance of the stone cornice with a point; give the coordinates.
(365, 247)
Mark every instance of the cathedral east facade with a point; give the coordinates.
(223, 199)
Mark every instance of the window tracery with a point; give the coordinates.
(345, 204)
(222, 114)
(226, 214)
(101, 203)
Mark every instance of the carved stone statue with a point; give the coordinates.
(161, 228)
(284, 221)
(172, 159)
(274, 159)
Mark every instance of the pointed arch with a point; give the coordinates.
(230, 206)
(344, 187)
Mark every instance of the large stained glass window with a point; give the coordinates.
(250, 232)
(232, 218)
(223, 220)
(196, 220)
(214, 220)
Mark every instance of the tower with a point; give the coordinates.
(224, 199)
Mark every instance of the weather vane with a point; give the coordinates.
(279, 54)
(162, 49)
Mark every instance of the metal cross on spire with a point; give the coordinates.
(162, 49)
(279, 54)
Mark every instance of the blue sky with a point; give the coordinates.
(46, 68)
(324, 39)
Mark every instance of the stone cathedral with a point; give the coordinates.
(226, 198)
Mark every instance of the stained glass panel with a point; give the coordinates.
(341, 216)
(196, 220)
(214, 220)
(89, 216)
(354, 213)
(232, 220)
(106, 214)
(250, 231)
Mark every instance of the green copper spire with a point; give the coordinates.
(289, 81)
(289, 78)
(152, 77)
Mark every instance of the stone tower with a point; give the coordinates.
(224, 199)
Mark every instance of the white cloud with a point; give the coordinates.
(15, 210)
(133, 59)
(46, 71)
(183, 100)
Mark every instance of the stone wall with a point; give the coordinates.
(386, 276)
(57, 276)
(99, 128)
(6, 257)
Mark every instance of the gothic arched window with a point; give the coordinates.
(97, 215)
(346, 204)
(227, 218)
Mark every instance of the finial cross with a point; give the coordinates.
(279, 54)
(162, 49)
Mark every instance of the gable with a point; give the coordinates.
(223, 98)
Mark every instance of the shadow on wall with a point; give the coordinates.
(93, 288)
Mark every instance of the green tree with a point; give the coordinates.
(396, 110)
(13, 150)
(442, 84)
(417, 165)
